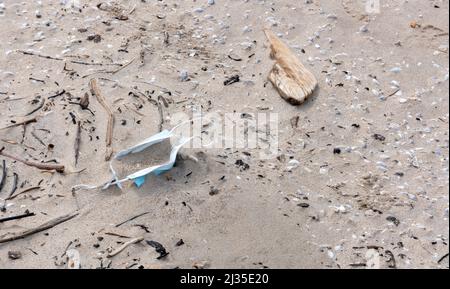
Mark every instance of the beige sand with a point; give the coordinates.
(255, 221)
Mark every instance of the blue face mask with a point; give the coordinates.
(139, 177)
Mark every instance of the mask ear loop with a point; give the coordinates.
(195, 137)
(183, 123)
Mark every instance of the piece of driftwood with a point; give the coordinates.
(42, 166)
(289, 76)
(109, 131)
(45, 226)
(124, 246)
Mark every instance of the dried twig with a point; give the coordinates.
(442, 258)
(394, 93)
(38, 139)
(109, 132)
(45, 226)
(3, 177)
(41, 104)
(124, 246)
(122, 67)
(14, 187)
(117, 235)
(39, 55)
(71, 61)
(57, 94)
(18, 217)
(24, 122)
(11, 197)
(161, 116)
(157, 103)
(77, 143)
(95, 63)
(41, 166)
(36, 79)
(84, 103)
(131, 219)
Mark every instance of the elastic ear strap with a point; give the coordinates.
(194, 137)
(185, 122)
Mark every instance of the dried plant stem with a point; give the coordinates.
(109, 131)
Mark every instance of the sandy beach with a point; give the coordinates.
(359, 177)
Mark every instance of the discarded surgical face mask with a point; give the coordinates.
(139, 177)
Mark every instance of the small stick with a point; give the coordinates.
(24, 122)
(117, 235)
(109, 132)
(443, 258)
(38, 80)
(161, 112)
(45, 226)
(131, 219)
(394, 93)
(123, 66)
(23, 192)
(38, 139)
(77, 143)
(124, 246)
(3, 178)
(94, 63)
(41, 104)
(161, 116)
(135, 111)
(18, 217)
(46, 167)
(39, 55)
(57, 94)
(14, 187)
(60, 59)
(88, 109)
